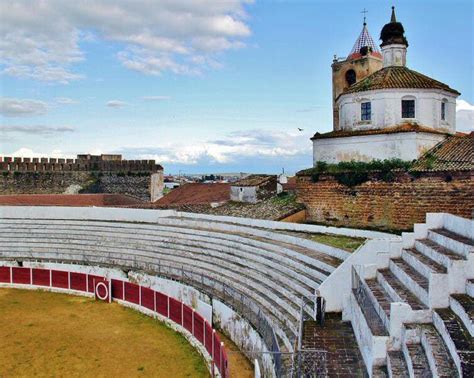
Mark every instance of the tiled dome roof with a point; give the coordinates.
(395, 77)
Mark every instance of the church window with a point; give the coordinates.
(365, 111)
(408, 108)
(443, 110)
(350, 77)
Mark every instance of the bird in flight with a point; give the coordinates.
(300, 129)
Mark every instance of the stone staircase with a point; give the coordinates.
(414, 316)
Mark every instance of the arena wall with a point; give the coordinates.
(175, 313)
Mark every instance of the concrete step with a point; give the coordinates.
(439, 359)
(422, 264)
(131, 232)
(457, 339)
(470, 288)
(397, 291)
(437, 252)
(463, 307)
(416, 360)
(454, 242)
(380, 300)
(396, 365)
(411, 279)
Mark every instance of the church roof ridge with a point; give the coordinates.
(397, 77)
(364, 40)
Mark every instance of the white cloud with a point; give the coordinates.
(116, 104)
(65, 101)
(257, 144)
(464, 116)
(14, 107)
(29, 153)
(41, 39)
(156, 98)
(35, 129)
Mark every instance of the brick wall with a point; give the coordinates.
(393, 205)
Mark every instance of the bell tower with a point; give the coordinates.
(394, 44)
(363, 60)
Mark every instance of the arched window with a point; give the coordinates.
(444, 104)
(350, 77)
(408, 107)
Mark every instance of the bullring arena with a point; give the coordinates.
(292, 306)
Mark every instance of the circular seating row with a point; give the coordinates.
(259, 264)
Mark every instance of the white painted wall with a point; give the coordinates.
(405, 146)
(387, 109)
(243, 194)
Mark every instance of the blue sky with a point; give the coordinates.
(209, 86)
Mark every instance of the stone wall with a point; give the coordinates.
(134, 184)
(395, 205)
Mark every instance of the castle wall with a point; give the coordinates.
(395, 205)
(57, 176)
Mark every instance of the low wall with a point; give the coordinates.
(394, 205)
(184, 318)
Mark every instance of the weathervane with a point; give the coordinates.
(365, 12)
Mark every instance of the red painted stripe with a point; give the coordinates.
(5, 274)
(21, 275)
(60, 279)
(41, 277)
(78, 281)
(147, 298)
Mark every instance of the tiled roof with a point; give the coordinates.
(403, 128)
(254, 180)
(453, 154)
(79, 200)
(397, 77)
(364, 40)
(196, 193)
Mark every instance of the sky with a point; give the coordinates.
(201, 86)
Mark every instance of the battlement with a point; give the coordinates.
(102, 163)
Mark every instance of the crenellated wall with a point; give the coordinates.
(138, 178)
(18, 164)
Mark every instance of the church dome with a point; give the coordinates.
(393, 32)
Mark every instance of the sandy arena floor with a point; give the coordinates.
(50, 334)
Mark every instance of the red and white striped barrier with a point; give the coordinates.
(108, 290)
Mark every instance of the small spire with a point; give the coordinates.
(393, 18)
(365, 14)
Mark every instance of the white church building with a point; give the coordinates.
(381, 108)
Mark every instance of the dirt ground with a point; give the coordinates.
(48, 334)
(240, 366)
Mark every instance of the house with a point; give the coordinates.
(253, 188)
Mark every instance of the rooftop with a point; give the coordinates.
(254, 180)
(396, 77)
(196, 193)
(456, 153)
(402, 128)
(364, 41)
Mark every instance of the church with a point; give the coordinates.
(381, 108)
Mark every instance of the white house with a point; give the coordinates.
(387, 111)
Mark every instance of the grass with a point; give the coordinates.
(339, 241)
(50, 334)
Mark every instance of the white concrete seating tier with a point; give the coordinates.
(419, 310)
(274, 273)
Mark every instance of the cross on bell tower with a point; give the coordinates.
(365, 11)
